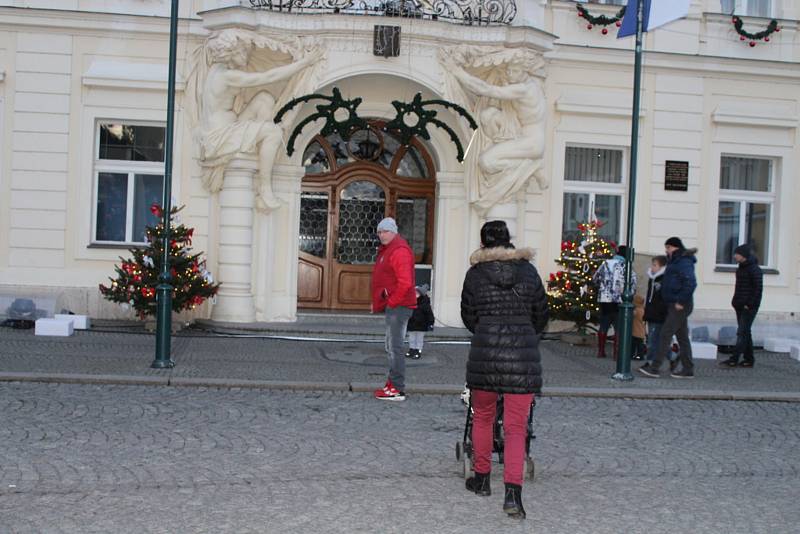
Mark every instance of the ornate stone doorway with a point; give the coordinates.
(348, 188)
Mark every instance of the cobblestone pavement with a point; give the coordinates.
(138, 459)
(340, 364)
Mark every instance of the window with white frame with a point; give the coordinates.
(746, 207)
(128, 179)
(593, 189)
(749, 8)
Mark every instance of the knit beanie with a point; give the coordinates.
(743, 250)
(388, 225)
(675, 242)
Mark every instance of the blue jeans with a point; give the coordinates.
(653, 332)
(396, 323)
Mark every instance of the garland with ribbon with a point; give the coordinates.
(744, 35)
(600, 20)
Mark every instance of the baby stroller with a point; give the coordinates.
(464, 451)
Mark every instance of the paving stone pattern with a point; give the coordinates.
(254, 358)
(120, 459)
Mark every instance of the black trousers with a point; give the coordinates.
(676, 324)
(744, 334)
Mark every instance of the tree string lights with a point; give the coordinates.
(137, 277)
(571, 294)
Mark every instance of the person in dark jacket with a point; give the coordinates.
(421, 321)
(677, 291)
(504, 305)
(746, 301)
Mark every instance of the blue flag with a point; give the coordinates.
(655, 13)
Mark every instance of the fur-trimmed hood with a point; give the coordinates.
(483, 255)
(499, 264)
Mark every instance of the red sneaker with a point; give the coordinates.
(390, 393)
(384, 389)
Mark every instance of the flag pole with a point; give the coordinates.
(625, 321)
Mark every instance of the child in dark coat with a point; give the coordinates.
(420, 322)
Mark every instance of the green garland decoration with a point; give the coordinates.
(600, 20)
(738, 24)
(344, 128)
(422, 118)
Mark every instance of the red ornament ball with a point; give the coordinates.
(605, 31)
(752, 44)
(766, 39)
(589, 26)
(741, 37)
(777, 30)
(619, 23)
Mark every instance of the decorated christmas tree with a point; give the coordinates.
(137, 277)
(571, 294)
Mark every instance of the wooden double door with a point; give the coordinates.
(339, 214)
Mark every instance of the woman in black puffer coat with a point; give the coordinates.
(504, 305)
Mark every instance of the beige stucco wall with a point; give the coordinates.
(704, 94)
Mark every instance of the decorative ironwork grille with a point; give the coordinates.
(470, 12)
(361, 208)
(314, 223)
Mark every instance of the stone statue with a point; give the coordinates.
(236, 98)
(505, 95)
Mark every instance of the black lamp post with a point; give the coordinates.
(625, 321)
(164, 288)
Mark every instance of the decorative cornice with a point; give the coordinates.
(768, 115)
(127, 75)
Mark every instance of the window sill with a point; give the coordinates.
(117, 245)
(732, 269)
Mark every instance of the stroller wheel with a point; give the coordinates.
(528, 469)
(466, 466)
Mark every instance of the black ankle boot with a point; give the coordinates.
(513, 501)
(479, 484)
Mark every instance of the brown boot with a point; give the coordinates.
(601, 344)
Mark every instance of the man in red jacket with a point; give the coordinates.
(393, 292)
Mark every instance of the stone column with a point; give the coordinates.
(236, 217)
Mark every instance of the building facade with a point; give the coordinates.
(82, 123)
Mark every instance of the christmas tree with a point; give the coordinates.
(571, 294)
(137, 277)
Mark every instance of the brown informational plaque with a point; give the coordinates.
(676, 176)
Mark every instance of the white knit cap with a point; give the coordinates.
(388, 225)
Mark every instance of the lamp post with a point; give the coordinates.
(625, 321)
(164, 288)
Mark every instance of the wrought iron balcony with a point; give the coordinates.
(469, 12)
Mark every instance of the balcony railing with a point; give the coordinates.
(469, 12)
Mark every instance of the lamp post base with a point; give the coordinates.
(162, 364)
(622, 377)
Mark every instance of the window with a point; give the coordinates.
(750, 8)
(593, 188)
(746, 207)
(129, 178)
